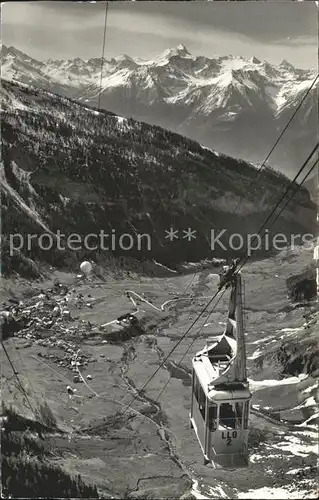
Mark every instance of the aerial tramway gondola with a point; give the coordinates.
(220, 393)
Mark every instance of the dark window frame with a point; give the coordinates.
(200, 397)
(201, 401)
(212, 417)
(246, 414)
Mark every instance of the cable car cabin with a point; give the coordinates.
(220, 420)
(220, 394)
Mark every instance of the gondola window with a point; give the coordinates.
(212, 417)
(238, 415)
(227, 416)
(201, 401)
(196, 387)
(246, 414)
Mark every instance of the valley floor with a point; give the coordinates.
(131, 445)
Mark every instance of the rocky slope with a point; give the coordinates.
(232, 104)
(303, 286)
(26, 460)
(312, 185)
(70, 168)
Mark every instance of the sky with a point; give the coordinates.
(272, 30)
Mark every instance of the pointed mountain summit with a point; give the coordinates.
(286, 64)
(254, 60)
(180, 51)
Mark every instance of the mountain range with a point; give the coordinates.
(72, 168)
(231, 104)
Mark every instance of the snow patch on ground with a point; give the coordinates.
(306, 422)
(209, 149)
(287, 332)
(164, 267)
(263, 384)
(65, 200)
(309, 402)
(258, 458)
(120, 120)
(312, 434)
(123, 124)
(19, 201)
(13, 102)
(212, 492)
(255, 355)
(275, 493)
(295, 471)
(261, 341)
(293, 445)
(309, 389)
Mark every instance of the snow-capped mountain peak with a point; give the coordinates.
(287, 65)
(17, 56)
(254, 60)
(180, 51)
(12, 51)
(173, 53)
